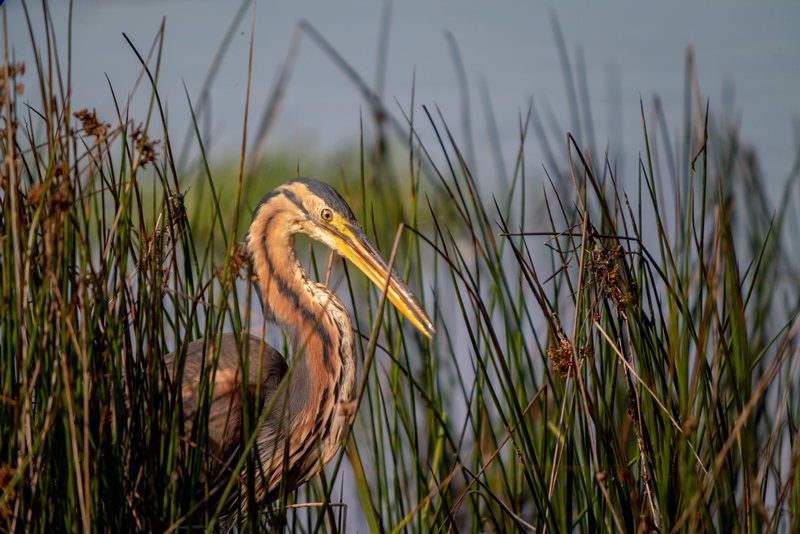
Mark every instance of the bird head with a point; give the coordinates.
(321, 213)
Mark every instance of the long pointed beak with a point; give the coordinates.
(356, 247)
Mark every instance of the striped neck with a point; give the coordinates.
(313, 319)
(320, 333)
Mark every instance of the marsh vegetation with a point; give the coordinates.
(611, 355)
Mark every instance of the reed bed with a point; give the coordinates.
(611, 356)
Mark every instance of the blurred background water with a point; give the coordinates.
(748, 60)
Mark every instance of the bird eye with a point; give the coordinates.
(327, 215)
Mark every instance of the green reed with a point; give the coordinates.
(611, 355)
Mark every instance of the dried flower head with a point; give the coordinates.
(561, 354)
(35, 194)
(237, 265)
(58, 194)
(90, 124)
(6, 507)
(145, 146)
(604, 266)
(238, 260)
(59, 200)
(10, 72)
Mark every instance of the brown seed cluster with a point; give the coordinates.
(238, 261)
(605, 270)
(561, 354)
(146, 146)
(9, 72)
(59, 200)
(59, 195)
(6, 474)
(237, 265)
(35, 194)
(90, 125)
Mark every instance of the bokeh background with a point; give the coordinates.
(748, 62)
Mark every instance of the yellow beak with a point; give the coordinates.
(354, 245)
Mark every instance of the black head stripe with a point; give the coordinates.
(289, 194)
(328, 194)
(265, 199)
(320, 189)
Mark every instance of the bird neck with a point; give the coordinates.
(312, 318)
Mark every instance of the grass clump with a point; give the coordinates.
(609, 357)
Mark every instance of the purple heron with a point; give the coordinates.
(306, 423)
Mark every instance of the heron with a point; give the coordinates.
(309, 414)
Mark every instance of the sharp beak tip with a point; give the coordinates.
(430, 331)
(364, 259)
(424, 325)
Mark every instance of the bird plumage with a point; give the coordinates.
(306, 425)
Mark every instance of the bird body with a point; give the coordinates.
(306, 424)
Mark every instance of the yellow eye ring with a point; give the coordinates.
(326, 214)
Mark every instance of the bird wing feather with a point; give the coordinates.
(224, 426)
